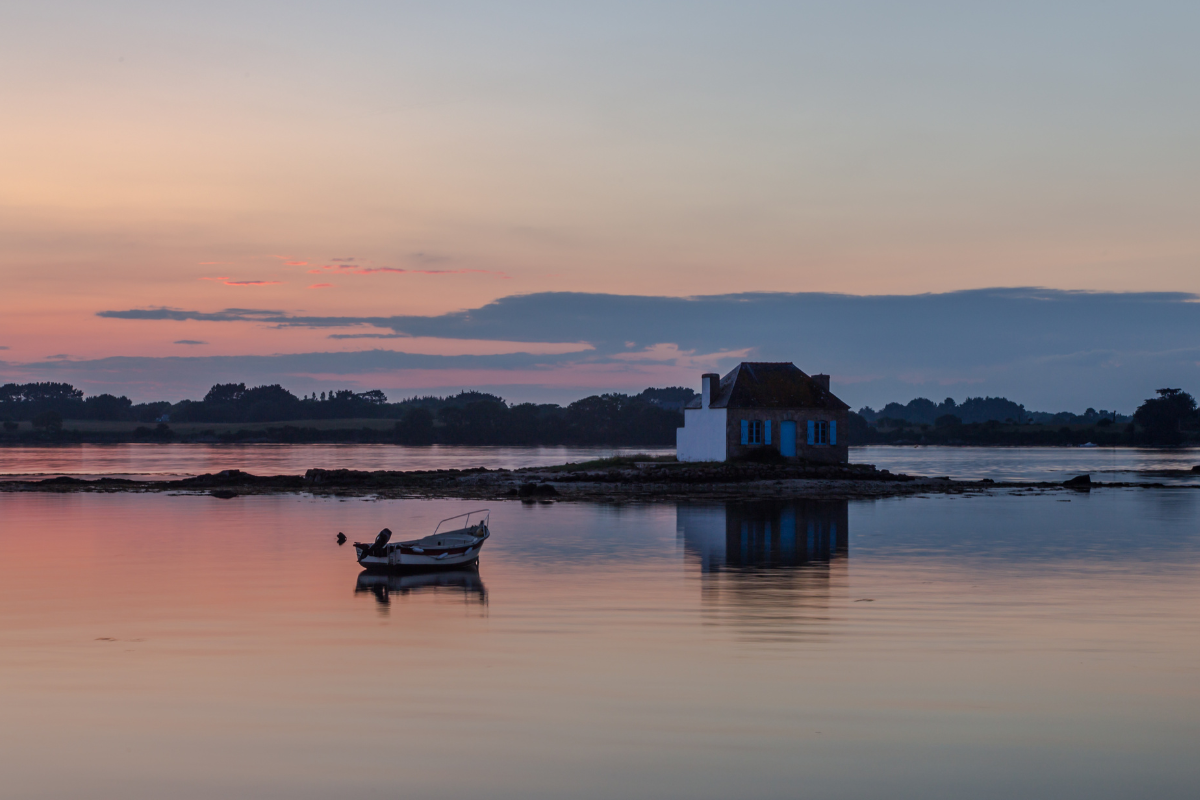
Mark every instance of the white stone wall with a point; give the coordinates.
(703, 435)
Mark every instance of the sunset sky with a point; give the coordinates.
(235, 191)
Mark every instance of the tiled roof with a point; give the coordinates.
(768, 384)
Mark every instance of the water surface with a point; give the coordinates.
(1119, 464)
(987, 647)
(172, 461)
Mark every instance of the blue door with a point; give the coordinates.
(787, 438)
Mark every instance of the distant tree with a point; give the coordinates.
(947, 421)
(672, 397)
(10, 426)
(858, 431)
(50, 421)
(225, 393)
(415, 427)
(1163, 418)
(107, 407)
(374, 397)
(984, 409)
(267, 404)
(480, 422)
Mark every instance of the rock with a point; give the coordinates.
(1079, 483)
(223, 494)
(341, 538)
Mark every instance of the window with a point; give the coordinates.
(756, 431)
(822, 432)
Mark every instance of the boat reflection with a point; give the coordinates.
(460, 584)
(768, 568)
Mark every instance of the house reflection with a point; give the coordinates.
(769, 568)
(461, 585)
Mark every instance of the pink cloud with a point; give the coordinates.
(354, 269)
(321, 286)
(229, 282)
(296, 263)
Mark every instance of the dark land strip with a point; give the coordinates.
(596, 481)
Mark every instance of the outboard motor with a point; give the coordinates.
(380, 541)
(376, 548)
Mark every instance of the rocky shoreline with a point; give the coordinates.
(638, 481)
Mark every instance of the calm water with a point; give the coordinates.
(170, 461)
(1033, 463)
(166, 461)
(984, 647)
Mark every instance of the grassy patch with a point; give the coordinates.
(613, 462)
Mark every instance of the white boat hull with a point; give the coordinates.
(398, 559)
(449, 549)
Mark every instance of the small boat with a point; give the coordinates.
(457, 545)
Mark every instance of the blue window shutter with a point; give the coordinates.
(812, 432)
(767, 432)
(833, 432)
(745, 431)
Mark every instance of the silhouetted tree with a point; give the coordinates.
(1163, 418)
(107, 407)
(416, 427)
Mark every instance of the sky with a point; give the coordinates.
(547, 200)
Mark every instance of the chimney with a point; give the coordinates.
(709, 382)
(822, 381)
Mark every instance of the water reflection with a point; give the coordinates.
(769, 568)
(764, 534)
(459, 584)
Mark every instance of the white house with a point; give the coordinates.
(763, 405)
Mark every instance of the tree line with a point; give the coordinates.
(648, 418)
(979, 409)
(1169, 418)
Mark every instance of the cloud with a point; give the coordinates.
(189, 341)
(321, 286)
(3, 347)
(369, 336)
(229, 282)
(355, 269)
(343, 260)
(668, 352)
(296, 263)
(228, 315)
(1049, 349)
